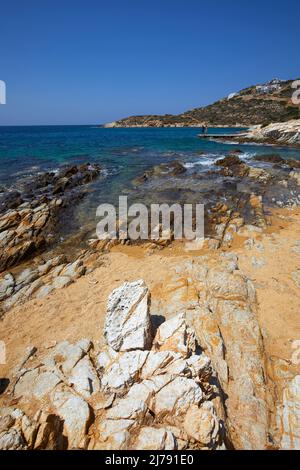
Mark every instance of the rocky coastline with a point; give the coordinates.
(148, 346)
(282, 133)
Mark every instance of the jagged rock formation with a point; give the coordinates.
(195, 381)
(28, 216)
(261, 104)
(39, 281)
(221, 306)
(241, 214)
(278, 133)
(164, 397)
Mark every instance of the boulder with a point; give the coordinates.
(175, 335)
(233, 166)
(259, 174)
(64, 356)
(128, 325)
(76, 414)
(128, 408)
(202, 424)
(12, 440)
(36, 383)
(269, 158)
(151, 438)
(228, 161)
(177, 396)
(114, 434)
(124, 371)
(84, 378)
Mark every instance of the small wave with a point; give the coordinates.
(105, 172)
(247, 155)
(210, 159)
(205, 160)
(173, 154)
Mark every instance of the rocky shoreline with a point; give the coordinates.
(28, 216)
(282, 133)
(178, 352)
(236, 207)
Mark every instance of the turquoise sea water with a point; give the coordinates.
(126, 152)
(123, 154)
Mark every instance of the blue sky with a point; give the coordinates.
(92, 61)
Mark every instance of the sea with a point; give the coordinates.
(124, 154)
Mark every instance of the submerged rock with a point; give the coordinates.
(233, 166)
(163, 170)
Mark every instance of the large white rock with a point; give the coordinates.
(84, 378)
(128, 408)
(115, 434)
(175, 335)
(11, 440)
(65, 356)
(157, 362)
(202, 424)
(128, 325)
(142, 392)
(36, 383)
(124, 371)
(76, 415)
(155, 439)
(177, 396)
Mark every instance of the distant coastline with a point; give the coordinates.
(260, 104)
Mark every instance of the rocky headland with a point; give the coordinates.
(281, 133)
(260, 104)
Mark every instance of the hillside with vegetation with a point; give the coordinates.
(260, 104)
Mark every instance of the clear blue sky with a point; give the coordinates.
(92, 61)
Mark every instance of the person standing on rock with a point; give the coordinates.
(204, 128)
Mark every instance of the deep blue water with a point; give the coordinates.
(123, 154)
(126, 152)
